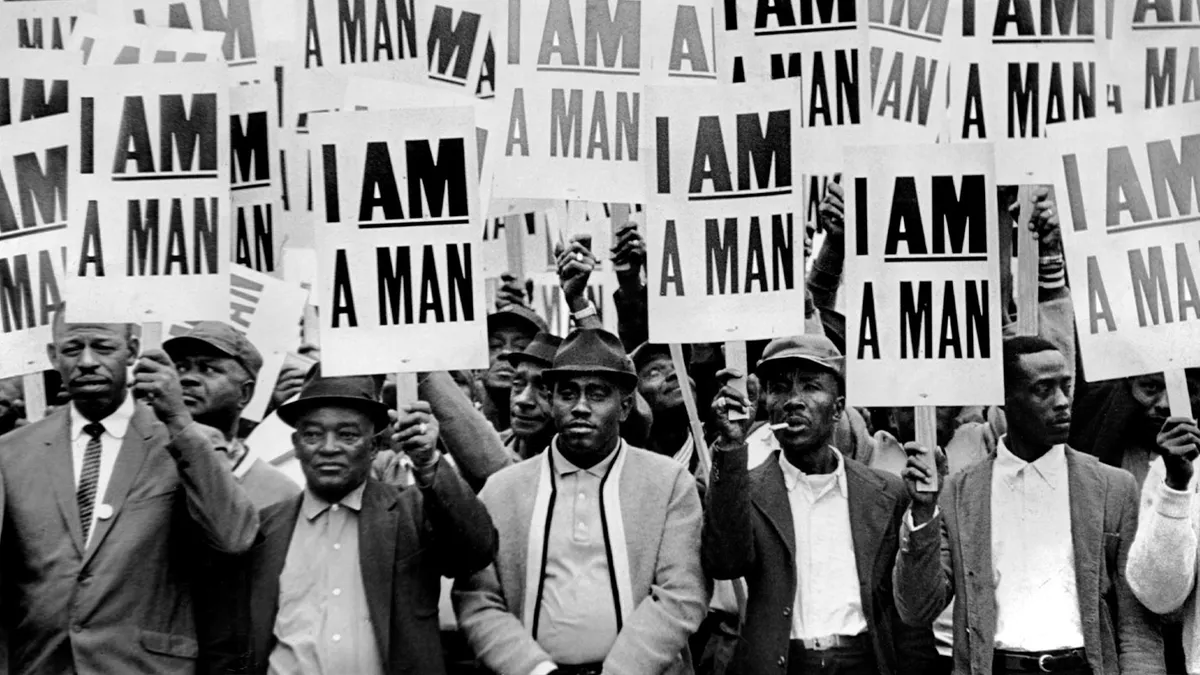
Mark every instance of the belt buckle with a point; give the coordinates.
(825, 642)
(1041, 662)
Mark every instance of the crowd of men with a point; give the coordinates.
(584, 526)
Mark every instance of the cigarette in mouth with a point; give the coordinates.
(778, 426)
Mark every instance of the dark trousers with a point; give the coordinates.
(838, 661)
(1078, 671)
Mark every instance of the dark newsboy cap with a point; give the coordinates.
(541, 351)
(221, 337)
(518, 316)
(592, 351)
(809, 348)
(359, 392)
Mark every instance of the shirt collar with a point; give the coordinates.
(565, 468)
(1050, 467)
(792, 475)
(115, 425)
(313, 506)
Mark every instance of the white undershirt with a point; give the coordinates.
(115, 426)
(1033, 557)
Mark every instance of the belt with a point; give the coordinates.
(827, 642)
(581, 669)
(1054, 661)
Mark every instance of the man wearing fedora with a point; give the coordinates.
(598, 568)
(510, 330)
(346, 575)
(529, 402)
(814, 533)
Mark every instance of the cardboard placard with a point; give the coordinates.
(111, 42)
(42, 25)
(1156, 51)
(34, 84)
(909, 70)
(458, 33)
(256, 177)
(237, 20)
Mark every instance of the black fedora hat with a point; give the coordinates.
(592, 351)
(645, 352)
(540, 351)
(359, 392)
(517, 316)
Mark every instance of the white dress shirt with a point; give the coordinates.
(1033, 557)
(827, 592)
(115, 426)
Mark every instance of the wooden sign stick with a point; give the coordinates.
(1177, 393)
(406, 389)
(693, 412)
(1027, 266)
(514, 237)
(152, 335)
(925, 421)
(735, 358)
(34, 396)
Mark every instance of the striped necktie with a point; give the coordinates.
(89, 477)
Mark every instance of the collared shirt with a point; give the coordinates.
(578, 620)
(1033, 557)
(115, 426)
(324, 625)
(827, 600)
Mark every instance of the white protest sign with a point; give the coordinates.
(34, 84)
(397, 215)
(457, 33)
(256, 178)
(922, 276)
(150, 216)
(45, 24)
(909, 69)
(550, 303)
(570, 102)
(111, 42)
(1156, 49)
(359, 37)
(236, 19)
(1127, 194)
(724, 248)
(34, 159)
(531, 227)
(821, 44)
(1024, 65)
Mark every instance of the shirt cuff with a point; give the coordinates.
(908, 521)
(543, 668)
(1172, 503)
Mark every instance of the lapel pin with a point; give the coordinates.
(104, 511)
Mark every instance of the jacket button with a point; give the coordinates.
(782, 662)
(787, 611)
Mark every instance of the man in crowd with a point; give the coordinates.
(658, 383)
(510, 330)
(106, 503)
(347, 575)
(598, 568)
(1032, 543)
(218, 368)
(529, 404)
(1162, 561)
(813, 532)
(11, 408)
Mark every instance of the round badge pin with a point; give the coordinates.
(104, 511)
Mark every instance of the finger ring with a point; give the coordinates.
(422, 428)
(722, 403)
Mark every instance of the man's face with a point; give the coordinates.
(658, 383)
(904, 423)
(808, 400)
(213, 384)
(1150, 392)
(93, 360)
(529, 403)
(335, 447)
(1038, 403)
(588, 412)
(502, 341)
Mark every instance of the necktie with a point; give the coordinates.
(89, 477)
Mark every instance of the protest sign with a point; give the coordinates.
(356, 37)
(34, 159)
(821, 44)
(150, 219)
(530, 229)
(236, 19)
(551, 304)
(112, 42)
(1128, 190)
(725, 252)
(576, 69)
(255, 188)
(397, 227)
(1023, 65)
(922, 276)
(457, 34)
(45, 24)
(909, 69)
(34, 84)
(1156, 48)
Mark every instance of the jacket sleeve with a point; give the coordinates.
(727, 545)
(497, 637)
(656, 632)
(1162, 561)
(915, 647)
(923, 578)
(465, 432)
(217, 505)
(463, 534)
(1139, 639)
(632, 322)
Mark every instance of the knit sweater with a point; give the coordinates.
(1162, 561)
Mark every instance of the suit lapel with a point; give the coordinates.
(974, 522)
(377, 525)
(60, 469)
(870, 516)
(134, 448)
(267, 560)
(1086, 493)
(770, 496)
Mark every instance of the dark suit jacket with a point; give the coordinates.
(749, 532)
(408, 539)
(124, 604)
(952, 556)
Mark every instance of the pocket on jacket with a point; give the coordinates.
(150, 500)
(167, 644)
(1112, 548)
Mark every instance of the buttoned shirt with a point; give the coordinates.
(827, 599)
(115, 426)
(578, 619)
(324, 625)
(1033, 557)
